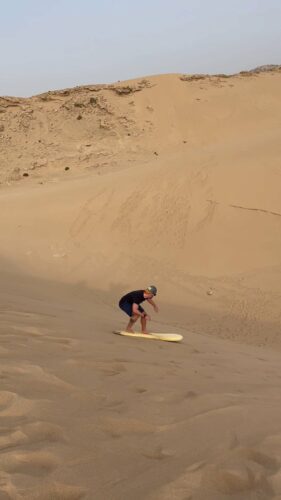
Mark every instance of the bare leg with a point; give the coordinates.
(143, 325)
(131, 323)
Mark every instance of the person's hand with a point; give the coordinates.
(146, 316)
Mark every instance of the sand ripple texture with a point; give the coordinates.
(88, 414)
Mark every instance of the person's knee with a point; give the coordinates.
(134, 318)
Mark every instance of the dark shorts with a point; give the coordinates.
(128, 308)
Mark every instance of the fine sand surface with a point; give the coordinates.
(174, 181)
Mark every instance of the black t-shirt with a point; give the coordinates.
(135, 297)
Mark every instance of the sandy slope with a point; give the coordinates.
(171, 180)
(86, 414)
(208, 201)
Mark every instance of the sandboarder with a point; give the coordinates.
(130, 304)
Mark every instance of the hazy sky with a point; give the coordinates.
(52, 44)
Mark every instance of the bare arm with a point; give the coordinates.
(152, 303)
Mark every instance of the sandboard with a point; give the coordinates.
(168, 337)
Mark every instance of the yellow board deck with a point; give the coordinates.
(168, 337)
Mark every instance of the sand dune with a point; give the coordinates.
(172, 180)
(109, 417)
(204, 171)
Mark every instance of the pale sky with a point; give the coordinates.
(53, 44)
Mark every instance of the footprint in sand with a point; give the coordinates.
(140, 390)
(191, 394)
(181, 397)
